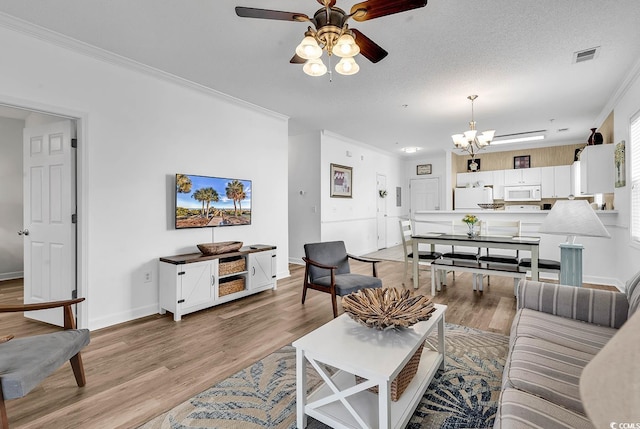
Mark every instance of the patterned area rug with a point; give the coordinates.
(464, 395)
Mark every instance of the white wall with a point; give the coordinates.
(137, 130)
(11, 243)
(628, 105)
(354, 219)
(304, 193)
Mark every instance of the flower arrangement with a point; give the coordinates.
(470, 219)
(382, 193)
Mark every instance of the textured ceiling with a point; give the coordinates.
(516, 55)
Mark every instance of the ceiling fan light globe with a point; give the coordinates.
(346, 46)
(347, 66)
(309, 49)
(314, 67)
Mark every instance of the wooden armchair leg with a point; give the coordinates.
(334, 301)
(304, 292)
(3, 412)
(78, 369)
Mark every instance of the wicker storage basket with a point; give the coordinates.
(226, 266)
(404, 377)
(231, 286)
(220, 247)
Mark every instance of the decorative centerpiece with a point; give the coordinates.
(387, 308)
(220, 247)
(471, 221)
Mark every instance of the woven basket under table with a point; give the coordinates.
(404, 377)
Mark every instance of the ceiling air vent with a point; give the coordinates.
(586, 55)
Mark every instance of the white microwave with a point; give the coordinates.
(522, 193)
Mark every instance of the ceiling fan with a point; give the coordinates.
(331, 33)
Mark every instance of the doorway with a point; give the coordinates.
(381, 211)
(50, 277)
(425, 195)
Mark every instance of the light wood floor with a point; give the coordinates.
(139, 369)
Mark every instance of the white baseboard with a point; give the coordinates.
(12, 276)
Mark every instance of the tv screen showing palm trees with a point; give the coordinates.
(203, 201)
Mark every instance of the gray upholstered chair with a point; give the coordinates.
(25, 362)
(327, 270)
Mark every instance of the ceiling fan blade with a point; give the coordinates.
(376, 8)
(368, 48)
(332, 3)
(251, 12)
(297, 59)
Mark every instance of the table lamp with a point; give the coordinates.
(572, 218)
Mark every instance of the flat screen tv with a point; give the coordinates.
(204, 202)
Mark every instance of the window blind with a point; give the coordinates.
(634, 164)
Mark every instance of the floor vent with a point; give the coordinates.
(586, 55)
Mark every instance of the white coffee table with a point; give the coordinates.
(377, 356)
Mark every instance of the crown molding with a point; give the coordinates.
(27, 28)
(629, 80)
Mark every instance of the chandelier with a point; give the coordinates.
(335, 40)
(470, 141)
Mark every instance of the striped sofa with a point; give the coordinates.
(556, 332)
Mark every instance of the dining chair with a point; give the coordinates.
(462, 252)
(424, 257)
(502, 228)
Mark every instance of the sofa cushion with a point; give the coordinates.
(349, 283)
(581, 336)
(519, 409)
(633, 293)
(547, 370)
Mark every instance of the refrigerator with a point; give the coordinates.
(469, 198)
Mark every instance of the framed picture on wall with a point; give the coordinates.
(423, 169)
(341, 181)
(522, 161)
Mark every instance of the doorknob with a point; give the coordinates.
(23, 232)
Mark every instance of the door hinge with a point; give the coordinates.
(74, 143)
(180, 301)
(181, 273)
(74, 294)
(74, 218)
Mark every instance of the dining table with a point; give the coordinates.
(530, 244)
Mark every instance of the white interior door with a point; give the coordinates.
(49, 203)
(381, 210)
(425, 195)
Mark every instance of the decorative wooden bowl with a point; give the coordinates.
(491, 206)
(385, 308)
(220, 247)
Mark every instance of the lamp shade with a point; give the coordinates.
(573, 218)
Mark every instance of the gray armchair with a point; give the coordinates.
(327, 270)
(25, 362)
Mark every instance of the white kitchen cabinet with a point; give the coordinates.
(556, 181)
(522, 176)
(498, 184)
(475, 179)
(195, 281)
(597, 172)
